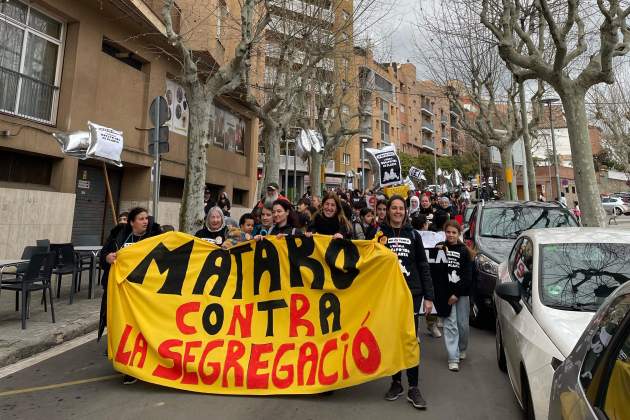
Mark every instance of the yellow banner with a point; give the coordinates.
(280, 316)
(400, 190)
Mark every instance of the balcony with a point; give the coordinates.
(305, 9)
(426, 107)
(444, 118)
(428, 127)
(428, 144)
(445, 137)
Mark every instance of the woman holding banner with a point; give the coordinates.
(396, 234)
(215, 229)
(330, 219)
(284, 219)
(139, 227)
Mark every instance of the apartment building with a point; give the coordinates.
(414, 115)
(298, 29)
(66, 62)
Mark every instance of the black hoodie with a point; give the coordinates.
(457, 278)
(119, 237)
(407, 244)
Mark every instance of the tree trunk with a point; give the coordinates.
(315, 172)
(191, 214)
(531, 171)
(582, 157)
(271, 134)
(508, 170)
(529, 161)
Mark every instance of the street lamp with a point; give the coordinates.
(363, 143)
(549, 101)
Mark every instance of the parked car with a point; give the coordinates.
(593, 383)
(615, 205)
(493, 228)
(549, 289)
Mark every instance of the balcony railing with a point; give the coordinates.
(427, 126)
(428, 143)
(444, 118)
(426, 107)
(25, 96)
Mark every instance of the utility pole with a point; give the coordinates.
(363, 142)
(549, 101)
(525, 124)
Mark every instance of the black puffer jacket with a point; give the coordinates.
(407, 244)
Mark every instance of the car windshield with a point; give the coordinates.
(581, 276)
(509, 222)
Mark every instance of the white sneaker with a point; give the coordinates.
(453, 366)
(435, 331)
(462, 355)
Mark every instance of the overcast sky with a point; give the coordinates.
(395, 34)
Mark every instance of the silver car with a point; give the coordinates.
(593, 383)
(615, 205)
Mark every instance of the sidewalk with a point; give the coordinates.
(40, 334)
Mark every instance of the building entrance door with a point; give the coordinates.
(92, 214)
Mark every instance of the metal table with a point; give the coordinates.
(92, 252)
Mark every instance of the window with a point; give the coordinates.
(402, 109)
(346, 159)
(30, 62)
(239, 196)
(345, 109)
(345, 15)
(522, 267)
(23, 168)
(606, 365)
(171, 187)
(580, 276)
(122, 54)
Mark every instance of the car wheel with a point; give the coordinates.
(618, 211)
(498, 340)
(526, 395)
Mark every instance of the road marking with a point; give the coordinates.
(55, 351)
(55, 386)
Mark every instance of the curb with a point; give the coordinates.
(55, 337)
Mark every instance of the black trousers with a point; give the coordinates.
(412, 372)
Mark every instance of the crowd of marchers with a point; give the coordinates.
(396, 222)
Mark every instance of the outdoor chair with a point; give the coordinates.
(14, 276)
(67, 263)
(37, 276)
(44, 243)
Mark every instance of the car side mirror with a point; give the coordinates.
(511, 293)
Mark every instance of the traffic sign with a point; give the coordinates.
(163, 113)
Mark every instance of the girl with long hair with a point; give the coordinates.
(330, 219)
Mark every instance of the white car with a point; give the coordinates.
(615, 205)
(549, 288)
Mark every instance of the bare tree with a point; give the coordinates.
(572, 57)
(462, 57)
(203, 81)
(303, 48)
(611, 106)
